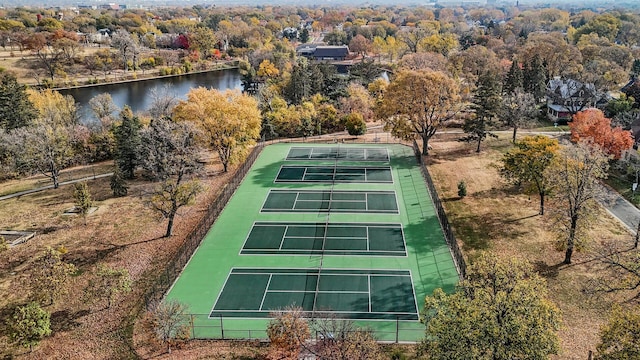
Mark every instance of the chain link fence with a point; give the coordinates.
(160, 286)
(442, 215)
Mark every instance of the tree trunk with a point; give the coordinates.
(515, 129)
(425, 144)
(571, 240)
(170, 224)
(635, 244)
(541, 203)
(225, 166)
(479, 141)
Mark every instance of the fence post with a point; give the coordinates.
(397, 327)
(193, 328)
(221, 327)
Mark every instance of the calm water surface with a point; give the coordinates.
(137, 94)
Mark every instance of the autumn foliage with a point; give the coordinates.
(592, 124)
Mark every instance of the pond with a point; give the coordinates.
(137, 94)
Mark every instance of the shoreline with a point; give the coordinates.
(230, 65)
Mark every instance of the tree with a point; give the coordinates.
(518, 109)
(127, 135)
(103, 108)
(526, 163)
(29, 325)
(620, 105)
(109, 283)
(418, 103)
(340, 339)
(170, 322)
(49, 144)
(355, 124)
(304, 35)
(83, 202)
(287, 331)
(501, 311)
(163, 101)
(16, 110)
(360, 45)
(575, 175)
(126, 45)
(4, 245)
(619, 338)
(50, 276)
(169, 153)
(486, 105)
(514, 78)
(118, 184)
(229, 121)
(591, 125)
(534, 78)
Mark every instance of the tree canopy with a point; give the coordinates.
(418, 103)
(591, 124)
(229, 121)
(500, 312)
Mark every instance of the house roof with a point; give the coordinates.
(331, 51)
(569, 88)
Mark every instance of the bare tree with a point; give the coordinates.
(576, 174)
(103, 107)
(168, 152)
(126, 45)
(517, 110)
(170, 322)
(340, 339)
(162, 102)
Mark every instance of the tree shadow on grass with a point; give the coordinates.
(548, 271)
(82, 258)
(65, 320)
(476, 231)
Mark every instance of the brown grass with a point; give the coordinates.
(495, 217)
(121, 233)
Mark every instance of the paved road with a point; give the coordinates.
(26, 192)
(620, 208)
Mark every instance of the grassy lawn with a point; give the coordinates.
(36, 181)
(496, 218)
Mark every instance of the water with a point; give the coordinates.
(138, 94)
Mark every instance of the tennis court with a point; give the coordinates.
(338, 152)
(333, 174)
(330, 200)
(362, 294)
(332, 228)
(291, 238)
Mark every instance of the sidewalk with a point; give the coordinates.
(31, 191)
(620, 208)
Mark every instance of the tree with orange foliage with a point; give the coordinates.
(592, 124)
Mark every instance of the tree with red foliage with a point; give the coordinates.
(592, 123)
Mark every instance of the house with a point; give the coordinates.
(567, 97)
(323, 52)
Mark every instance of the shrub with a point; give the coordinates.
(462, 189)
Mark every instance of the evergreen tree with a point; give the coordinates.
(304, 35)
(15, 108)
(514, 78)
(30, 324)
(127, 136)
(486, 105)
(534, 78)
(83, 200)
(118, 184)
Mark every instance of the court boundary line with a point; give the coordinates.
(364, 149)
(275, 223)
(306, 167)
(340, 211)
(413, 292)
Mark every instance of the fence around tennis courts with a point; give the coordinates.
(202, 326)
(193, 239)
(442, 215)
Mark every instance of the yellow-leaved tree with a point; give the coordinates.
(229, 121)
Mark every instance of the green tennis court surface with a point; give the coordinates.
(344, 153)
(327, 200)
(361, 294)
(365, 250)
(290, 173)
(372, 239)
